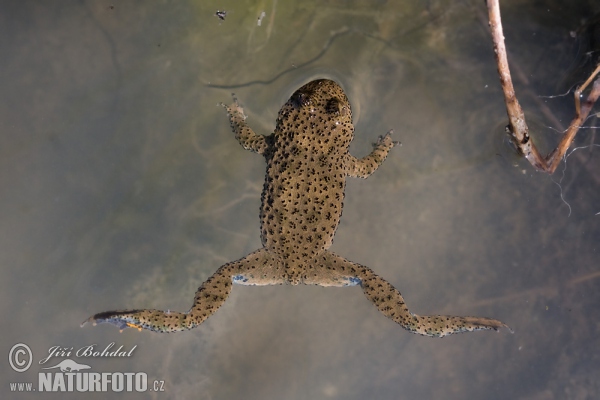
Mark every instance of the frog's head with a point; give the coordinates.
(317, 114)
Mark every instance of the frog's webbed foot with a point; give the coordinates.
(154, 320)
(113, 317)
(443, 325)
(235, 110)
(243, 133)
(386, 140)
(333, 270)
(255, 269)
(364, 167)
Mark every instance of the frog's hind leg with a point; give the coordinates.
(258, 268)
(333, 270)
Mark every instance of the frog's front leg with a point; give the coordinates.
(258, 268)
(330, 269)
(243, 133)
(363, 167)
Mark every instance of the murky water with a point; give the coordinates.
(123, 187)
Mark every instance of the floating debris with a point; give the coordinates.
(221, 14)
(260, 17)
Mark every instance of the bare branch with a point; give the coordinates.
(517, 127)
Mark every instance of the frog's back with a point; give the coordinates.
(304, 188)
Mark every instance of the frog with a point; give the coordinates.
(308, 161)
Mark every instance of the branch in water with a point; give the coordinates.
(517, 126)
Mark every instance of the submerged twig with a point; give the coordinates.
(517, 127)
(581, 113)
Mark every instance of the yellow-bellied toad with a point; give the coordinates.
(307, 165)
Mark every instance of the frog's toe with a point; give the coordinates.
(386, 140)
(234, 109)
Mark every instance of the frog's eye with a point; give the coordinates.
(300, 99)
(336, 107)
(333, 106)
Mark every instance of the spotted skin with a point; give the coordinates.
(301, 205)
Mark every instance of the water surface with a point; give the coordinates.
(123, 187)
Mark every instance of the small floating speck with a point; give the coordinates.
(260, 17)
(221, 14)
